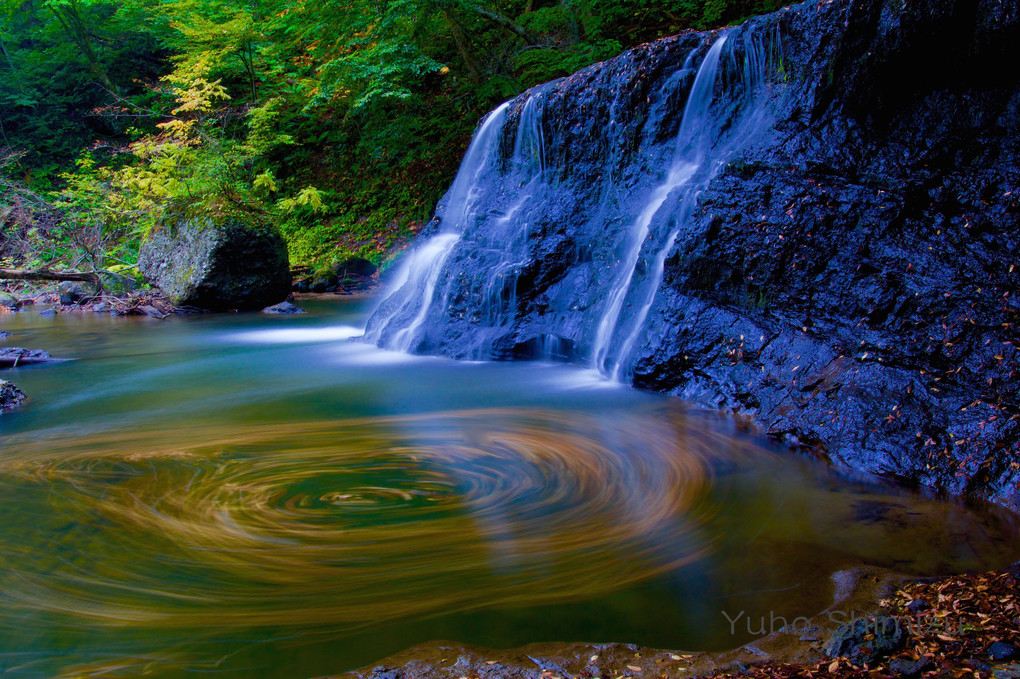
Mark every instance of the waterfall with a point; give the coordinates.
(490, 189)
(707, 138)
(683, 168)
(415, 284)
(553, 238)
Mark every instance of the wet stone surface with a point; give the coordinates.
(845, 272)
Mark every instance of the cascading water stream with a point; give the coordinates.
(489, 189)
(702, 150)
(529, 144)
(426, 264)
(509, 237)
(416, 282)
(684, 167)
(553, 239)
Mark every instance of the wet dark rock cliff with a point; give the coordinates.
(846, 274)
(852, 279)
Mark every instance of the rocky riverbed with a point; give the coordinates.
(880, 625)
(10, 396)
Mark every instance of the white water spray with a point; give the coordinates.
(416, 282)
(701, 151)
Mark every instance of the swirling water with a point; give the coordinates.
(252, 496)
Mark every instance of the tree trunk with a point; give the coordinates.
(463, 45)
(12, 357)
(576, 29)
(501, 20)
(497, 19)
(73, 23)
(47, 275)
(7, 57)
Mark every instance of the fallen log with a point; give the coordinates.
(48, 275)
(12, 357)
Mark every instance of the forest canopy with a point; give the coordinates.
(339, 121)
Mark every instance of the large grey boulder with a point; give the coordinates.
(217, 265)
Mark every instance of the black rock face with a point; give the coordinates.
(842, 264)
(217, 266)
(852, 281)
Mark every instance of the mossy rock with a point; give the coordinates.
(9, 301)
(217, 265)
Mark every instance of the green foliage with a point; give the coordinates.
(632, 21)
(541, 65)
(341, 120)
(370, 79)
(59, 62)
(549, 20)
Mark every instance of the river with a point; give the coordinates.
(255, 496)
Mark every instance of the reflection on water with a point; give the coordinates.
(252, 496)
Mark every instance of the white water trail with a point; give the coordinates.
(698, 145)
(508, 233)
(417, 279)
(426, 264)
(529, 146)
(687, 161)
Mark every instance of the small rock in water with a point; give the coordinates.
(151, 312)
(1001, 650)
(73, 293)
(283, 308)
(866, 640)
(9, 301)
(22, 353)
(10, 396)
(48, 312)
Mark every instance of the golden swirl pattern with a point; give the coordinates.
(353, 522)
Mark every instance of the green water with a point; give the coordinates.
(256, 496)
